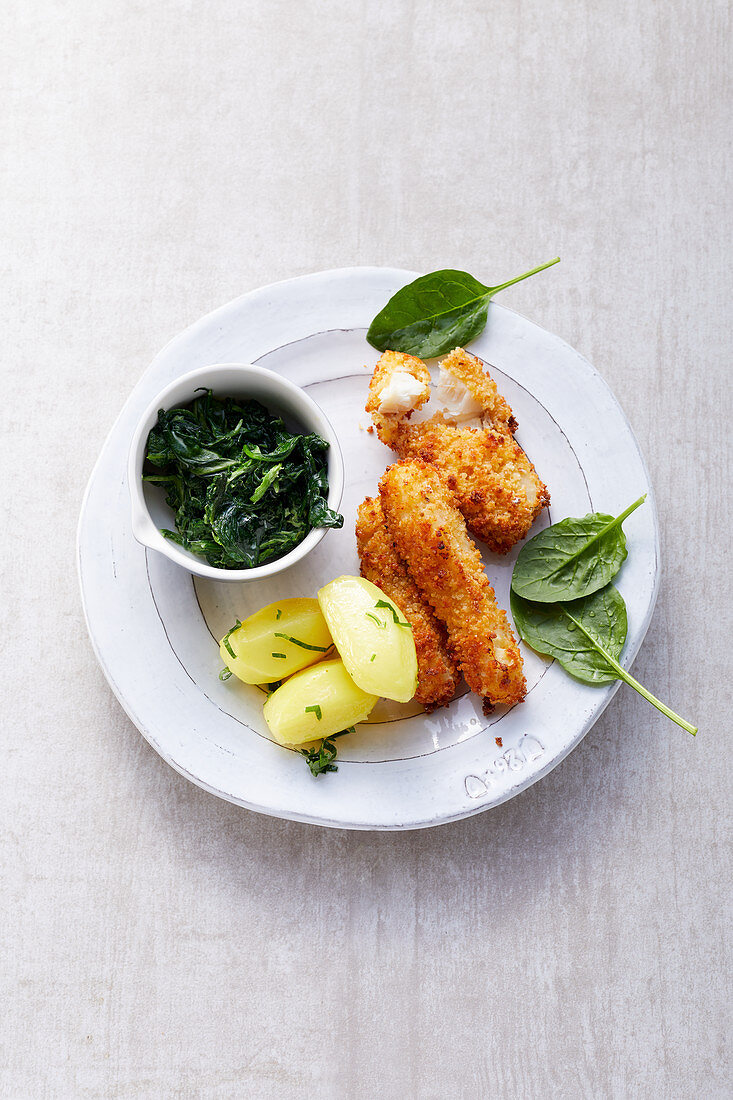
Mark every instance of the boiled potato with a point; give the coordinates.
(266, 644)
(375, 642)
(316, 703)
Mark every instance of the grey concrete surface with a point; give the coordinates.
(161, 158)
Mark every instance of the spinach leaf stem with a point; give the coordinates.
(520, 278)
(622, 674)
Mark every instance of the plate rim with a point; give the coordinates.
(400, 276)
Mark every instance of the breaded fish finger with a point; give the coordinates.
(430, 536)
(437, 673)
(398, 387)
(469, 441)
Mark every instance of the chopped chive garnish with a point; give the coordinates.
(395, 616)
(314, 710)
(225, 639)
(225, 673)
(376, 620)
(303, 645)
(281, 655)
(321, 760)
(269, 688)
(279, 613)
(372, 656)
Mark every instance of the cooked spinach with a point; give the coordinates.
(243, 488)
(572, 558)
(586, 636)
(437, 312)
(321, 759)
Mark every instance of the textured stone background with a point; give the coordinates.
(161, 158)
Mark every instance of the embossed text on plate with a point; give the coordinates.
(513, 759)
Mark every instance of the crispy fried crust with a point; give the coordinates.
(388, 363)
(470, 370)
(430, 536)
(380, 564)
(496, 486)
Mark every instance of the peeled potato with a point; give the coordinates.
(316, 703)
(282, 638)
(375, 643)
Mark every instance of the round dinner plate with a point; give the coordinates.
(155, 628)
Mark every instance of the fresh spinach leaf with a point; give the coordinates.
(572, 558)
(580, 634)
(437, 312)
(586, 636)
(243, 488)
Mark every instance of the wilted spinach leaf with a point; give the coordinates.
(243, 488)
(572, 558)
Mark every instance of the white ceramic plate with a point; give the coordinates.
(154, 627)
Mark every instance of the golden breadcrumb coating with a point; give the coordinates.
(495, 484)
(436, 670)
(471, 372)
(430, 536)
(389, 363)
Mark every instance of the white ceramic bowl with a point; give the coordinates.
(242, 380)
